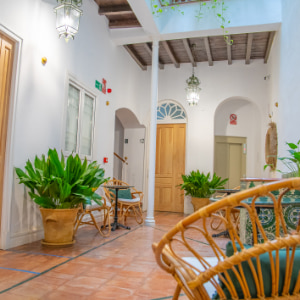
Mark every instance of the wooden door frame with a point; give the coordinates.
(8, 176)
(147, 152)
(230, 140)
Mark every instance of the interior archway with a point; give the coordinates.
(248, 125)
(129, 144)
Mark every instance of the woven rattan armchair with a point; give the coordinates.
(86, 216)
(267, 270)
(127, 207)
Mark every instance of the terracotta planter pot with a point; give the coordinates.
(58, 226)
(199, 202)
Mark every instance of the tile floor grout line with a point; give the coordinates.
(19, 270)
(81, 254)
(37, 253)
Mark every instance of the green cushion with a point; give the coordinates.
(266, 273)
(124, 194)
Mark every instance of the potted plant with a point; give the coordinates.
(200, 187)
(59, 187)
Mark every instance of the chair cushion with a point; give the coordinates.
(124, 194)
(133, 200)
(195, 263)
(266, 272)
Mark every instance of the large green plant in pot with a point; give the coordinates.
(59, 186)
(201, 186)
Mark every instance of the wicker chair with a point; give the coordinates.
(88, 210)
(267, 270)
(216, 222)
(127, 207)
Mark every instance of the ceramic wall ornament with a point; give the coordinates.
(271, 146)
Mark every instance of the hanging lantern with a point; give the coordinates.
(193, 90)
(67, 18)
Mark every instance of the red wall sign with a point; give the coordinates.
(103, 86)
(233, 118)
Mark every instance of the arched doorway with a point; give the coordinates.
(237, 140)
(129, 148)
(170, 156)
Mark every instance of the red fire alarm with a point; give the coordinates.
(105, 160)
(108, 91)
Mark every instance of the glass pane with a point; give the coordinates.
(87, 126)
(72, 119)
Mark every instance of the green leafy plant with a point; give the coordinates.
(291, 162)
(218, 8)
(201, 185)
(58, 183)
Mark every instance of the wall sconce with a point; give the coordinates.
(193, 90)
(67, 18)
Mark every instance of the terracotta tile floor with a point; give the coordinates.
(121, 266)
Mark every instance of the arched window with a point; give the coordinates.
(170, 112)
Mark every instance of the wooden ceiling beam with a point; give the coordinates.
(128, 23)
(208, 52)
(249, 47)
(229, 48)
(170, 53)
(114, 10)
(135, 57)
(149, 50)
(269, 46)
(189, 52)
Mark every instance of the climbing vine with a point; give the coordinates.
(218, 7)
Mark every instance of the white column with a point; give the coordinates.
(152, 144)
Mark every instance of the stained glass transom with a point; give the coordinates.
(170, 111)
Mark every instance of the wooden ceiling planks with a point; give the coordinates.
(246, 46)
(118, 13)
(207, 49)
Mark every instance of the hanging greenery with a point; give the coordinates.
(218, 8)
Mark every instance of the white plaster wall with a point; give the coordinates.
(248, 125)
(273, 84)
(284, 68)
(218, 83)
(289, 88)
(135, 151)
(40, 103)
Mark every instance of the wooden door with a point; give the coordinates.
(170, 165)
(6, 62)
(230, 159)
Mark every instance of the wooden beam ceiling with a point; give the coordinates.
(135, 57)
(229, 56)
(246, 46)
(114, 10)
(149, 51)
(170, 53)
(208, 51)
(249, 48)
(270, 42)
(189, 52)
(126, 23)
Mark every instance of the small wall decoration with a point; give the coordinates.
(103, 86)
(271, 146)
(233, 119)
